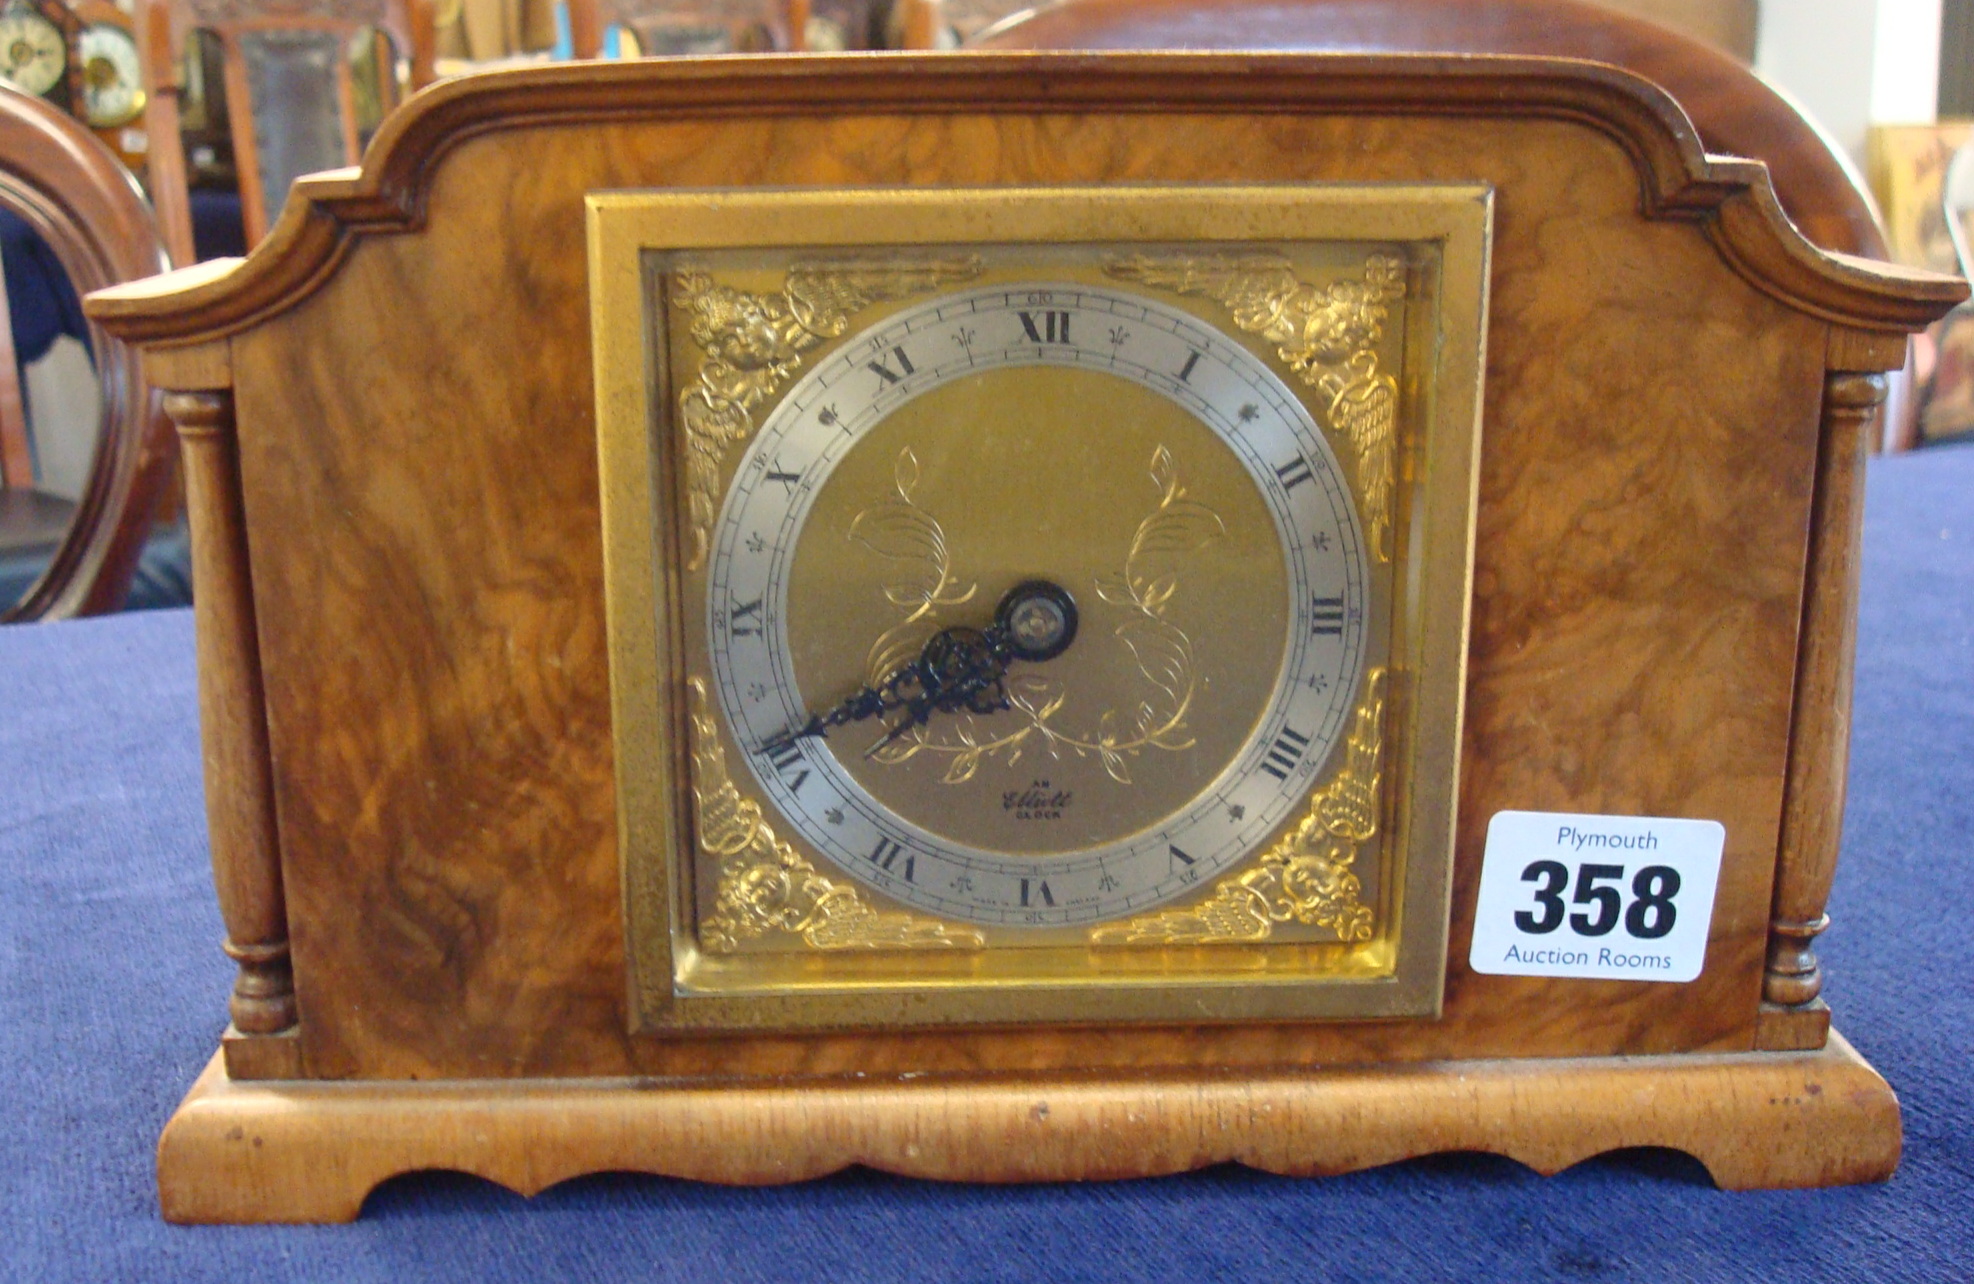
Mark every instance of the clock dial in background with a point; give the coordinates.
(112, 92)
(32, 52)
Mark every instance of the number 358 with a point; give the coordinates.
(1649, 916)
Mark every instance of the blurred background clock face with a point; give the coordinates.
(1095, 440)
(112, 80)
(32, 52)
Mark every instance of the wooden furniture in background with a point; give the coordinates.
(488, 30)
(1728, 25)
(16, 455)
(408, 728)
(111, 72)
(288, 87)
(81, 201)
(671, 27)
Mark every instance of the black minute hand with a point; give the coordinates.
(959, 670)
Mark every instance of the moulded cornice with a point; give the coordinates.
(1678, 179)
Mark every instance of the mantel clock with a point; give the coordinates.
(1023, 618)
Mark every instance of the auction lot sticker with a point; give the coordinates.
(1605, 898)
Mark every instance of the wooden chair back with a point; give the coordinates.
(16, 454)
(81, 201)
(289, 90)
(1734, 110)
(663, 27)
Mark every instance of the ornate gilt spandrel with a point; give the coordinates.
(751, 343)
(766, 888)
(1328, 335)
(1308, 876)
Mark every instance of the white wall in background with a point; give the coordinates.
(1822, 53)
(1854, 63)
(65, 411)
(1905, 63)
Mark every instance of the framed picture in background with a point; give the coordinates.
(1908, 170)
(1907, 165)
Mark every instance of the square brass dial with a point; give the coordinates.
(1037, 605)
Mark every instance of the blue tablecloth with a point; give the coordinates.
(40, 301)
(112, 997)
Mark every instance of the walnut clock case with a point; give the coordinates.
(988, 617)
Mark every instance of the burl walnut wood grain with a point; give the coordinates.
(418, 464)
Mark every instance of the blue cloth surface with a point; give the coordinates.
(40, 300)
(218, 229)
(112, 997)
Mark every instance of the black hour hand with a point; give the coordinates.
(959, 670)
(868, 702)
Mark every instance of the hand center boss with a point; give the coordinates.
(958, 670)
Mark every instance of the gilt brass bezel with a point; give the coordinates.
(674, 988)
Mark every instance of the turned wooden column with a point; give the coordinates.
(1819, 743)
(246, 860)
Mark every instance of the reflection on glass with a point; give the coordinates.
(297, 106)
(50, 407)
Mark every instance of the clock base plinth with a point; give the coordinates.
(311, 1151)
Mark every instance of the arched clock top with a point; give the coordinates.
(1677, 179)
